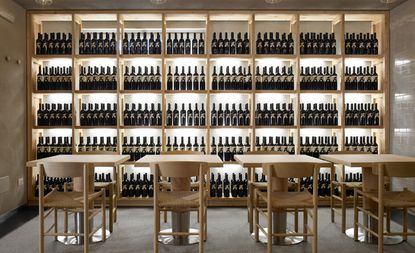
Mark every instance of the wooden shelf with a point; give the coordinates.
(52, 127)
(48, 92)
(141, 91)
(208, 24)
(95, 91)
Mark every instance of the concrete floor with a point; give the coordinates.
(227, 233)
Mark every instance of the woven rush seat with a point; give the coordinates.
(66, 199)
(289, 199)
(103, 184)
(178, 199)
(404, 198)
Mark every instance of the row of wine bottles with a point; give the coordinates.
(190, 117)
(318, 78)
(236, 187)
(362, 114)
(138, 149)
(142, 80)
(240, 80)
(228, 149)
(285, 45)
(280, 80)
(142, 117)
(51, 146)
(141, 45)
(98, 116)
(51, 183)
(362, 144)
(54, 44)
(97, 43)
(94, 78)
(361, 78)
(183, 81)
(54, 115)
(95, 145)
(185, 46)
(318, 145)
(323, 115)
(54, 78)
(230, 46)
(282, 115)
(134, 186)
(280, 145)
(361, 43)
(229, 117)
(313, 43)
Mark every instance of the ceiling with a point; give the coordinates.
(215, 4)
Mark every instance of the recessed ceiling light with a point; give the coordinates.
(44, 2)
(158, 1)
(387, 1)
(273, 1)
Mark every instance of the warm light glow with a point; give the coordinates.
(44, 2)
(402, 62)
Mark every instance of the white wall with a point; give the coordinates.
(12, 107)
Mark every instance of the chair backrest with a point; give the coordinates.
(349, 152)
(54, 169)
(178, 169)
(289, 170)
(399, 169)
(266, 153)
(181, 152)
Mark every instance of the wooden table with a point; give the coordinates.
(370, 183)
(180, 220)
(279, 218)
(91, 161)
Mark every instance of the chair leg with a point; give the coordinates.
(65, 220)
(388, 220)
(201, 230)
(380, 231)
(356, 216)
(405, 224)
(315, 230)
(86, 228)
(305, 225)
(250, 209)
(256, 229)
(55, 218)
(197, 216)
(165, 216)
(205, 224)
(269, 234)
(296, 220)
(343, 206)
(156, 228)
(111, 208)
(104, 218)
(41, 230)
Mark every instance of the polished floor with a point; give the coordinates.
(227, 233)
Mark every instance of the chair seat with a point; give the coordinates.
(178, 199)
(289, 199)
(67, 199)
(263, 185)
(394, 199)
(352, 184)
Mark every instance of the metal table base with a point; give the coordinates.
(79, 228)
(364, 237)
(180, 223)
(288, 240)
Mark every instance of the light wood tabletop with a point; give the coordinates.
(259, 160)
(97, 160)
(366, 160)
(211, 160)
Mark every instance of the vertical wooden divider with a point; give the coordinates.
(340, 72)
(208, 81)
(163, 81)
(252, 103)
(296, 35)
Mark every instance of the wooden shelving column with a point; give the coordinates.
(72, 21)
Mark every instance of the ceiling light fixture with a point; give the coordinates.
(158, 1)
(44, 2)
(387, 1)
(273, 1)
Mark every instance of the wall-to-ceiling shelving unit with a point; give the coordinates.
(206, 22)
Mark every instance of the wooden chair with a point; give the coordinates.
(252, 186)
(111, 188)
(75, 201)
(185, 200)
(283, 200)
(341, 201)
(401, 200)
(166, 185)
